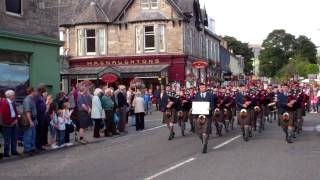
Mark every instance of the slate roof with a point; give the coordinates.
(108, 11)
(150, 16)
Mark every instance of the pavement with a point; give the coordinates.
(149, 155)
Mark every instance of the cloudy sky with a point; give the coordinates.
(252, 20)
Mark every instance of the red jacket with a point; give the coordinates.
(5, 112)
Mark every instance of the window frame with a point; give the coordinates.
(98, 41)
(148, 4)
(13, 13)
(151, 3)
(139, 37)
(161, 37)
(86, 42)
(80, 42)
(145, 49)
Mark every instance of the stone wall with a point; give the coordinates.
(36, 19)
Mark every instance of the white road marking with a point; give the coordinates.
(308, 128)
(154, 128)
(318, 128)
(225, 143)
(170, 169)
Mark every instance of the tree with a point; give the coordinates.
(240, 48)
(306, 48)
(271, 60)
(280, 39)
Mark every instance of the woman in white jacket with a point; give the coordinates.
(138, 105)
(97, 113)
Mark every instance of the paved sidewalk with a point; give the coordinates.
(150, 122)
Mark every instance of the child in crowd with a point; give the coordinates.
(69, 124)
(61, 127)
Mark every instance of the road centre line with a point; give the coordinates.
(154, 128)
(170, 169)
(226, 142)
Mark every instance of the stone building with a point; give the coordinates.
(28, 46)
(159, 41)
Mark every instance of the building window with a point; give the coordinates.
(211, 50)
(90, 42)
(14, 68)
(80, 42)
(191, 40)
(14, 7)
(61, 38)
(149, 39)
(138, 40)
(102, 41)
(162, 40)
(200, 44)
(207, 48)
(149, 4)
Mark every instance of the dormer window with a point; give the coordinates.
(149, 4)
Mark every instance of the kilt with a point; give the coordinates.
(83, 119)
(291, 122)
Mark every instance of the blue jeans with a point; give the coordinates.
(10, 138)
(29, 139)
(61, 134)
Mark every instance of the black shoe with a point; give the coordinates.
(289, 141)
(6, 156)
(1, 156)
(250, 134)
(182, 133)
(170, 138)
(204, 150)
(16, 154)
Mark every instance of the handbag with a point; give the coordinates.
(116, 118)
(69, 128)
(23, 121)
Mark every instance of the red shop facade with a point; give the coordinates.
(153, 70)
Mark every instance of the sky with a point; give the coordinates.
(252, 20)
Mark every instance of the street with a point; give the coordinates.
(149, 155)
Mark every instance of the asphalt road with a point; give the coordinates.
(149, 155)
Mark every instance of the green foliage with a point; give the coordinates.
(306, 48)
(298, 66)
(240, 48)
(282, 54)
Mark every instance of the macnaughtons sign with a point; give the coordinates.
(109, 78)
(199, 64)
(96, 63)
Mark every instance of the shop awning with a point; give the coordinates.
(141, 68)
(114, 69)
(88, 71)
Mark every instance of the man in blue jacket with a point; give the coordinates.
(204, 128)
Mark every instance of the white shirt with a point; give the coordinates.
(13, 113)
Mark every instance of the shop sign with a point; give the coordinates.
(199, 64)
(109, 78)
(98, 63)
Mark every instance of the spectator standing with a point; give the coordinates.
(130, 97)
(97, 113)
(108, 106)
(9, 115)
(30, 113)
(158, 99)
(42, 125)
(122, 108)
(138, 104)
(147, 100)
(84, 110)
(60, 100)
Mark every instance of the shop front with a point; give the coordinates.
(110, 71)
(28, 60)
